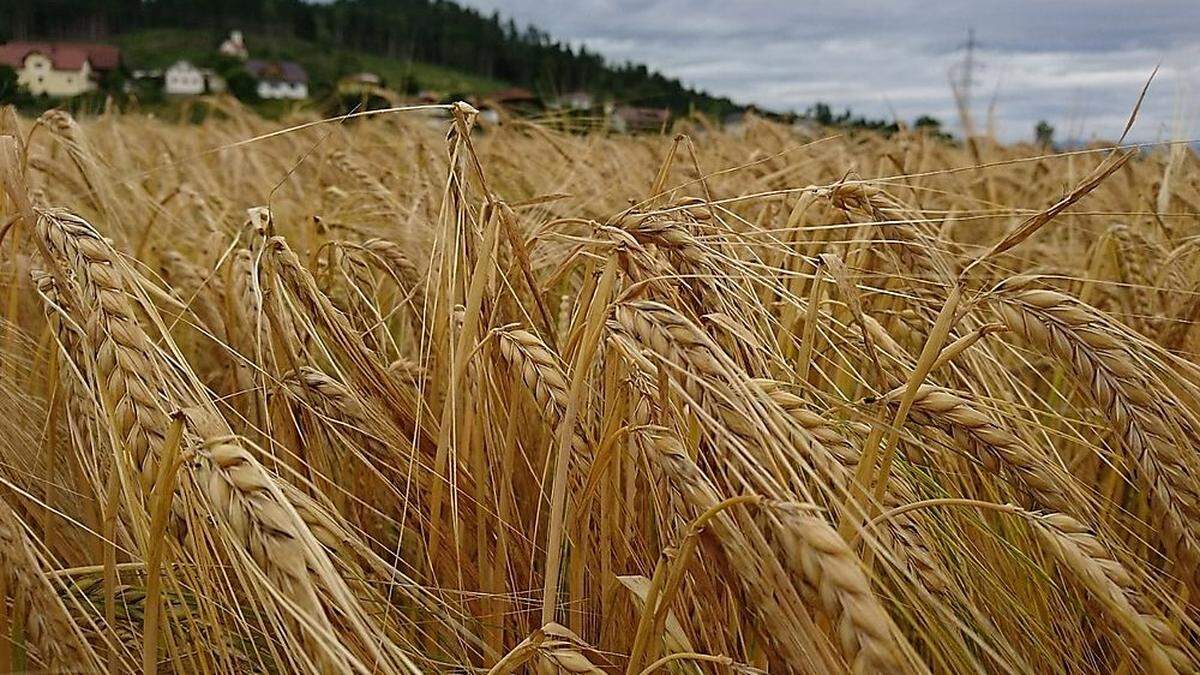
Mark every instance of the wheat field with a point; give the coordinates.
(401, 394)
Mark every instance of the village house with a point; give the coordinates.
(59, 69)
(184, 79)
(279, 79)
(576, 100)
(234, 46)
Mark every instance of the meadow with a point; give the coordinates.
(400, 394)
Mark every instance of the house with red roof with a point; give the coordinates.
(59, 69)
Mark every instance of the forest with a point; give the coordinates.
(431, 31)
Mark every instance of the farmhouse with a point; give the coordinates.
(59, 69)
(234, 46)
(184, 79)
(575, 100)
(279, 79)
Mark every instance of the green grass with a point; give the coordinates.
(161, 47)
(152, 49)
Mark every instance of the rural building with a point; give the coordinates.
(234, 46)
(279, 79)
(59, 69)
(183, 79)
(576, 100)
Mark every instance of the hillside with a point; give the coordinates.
(159, 47)
(486, 50)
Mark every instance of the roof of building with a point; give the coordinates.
(63, 55)
(277, 71)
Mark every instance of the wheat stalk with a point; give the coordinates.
(49, 628)
(1120, 386)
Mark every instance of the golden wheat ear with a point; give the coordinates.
(397, 393)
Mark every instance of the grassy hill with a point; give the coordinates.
(158, 48)
(473, 51)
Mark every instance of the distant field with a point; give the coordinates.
(402, 395)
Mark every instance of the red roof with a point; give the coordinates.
(64, 55)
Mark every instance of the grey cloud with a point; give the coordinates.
(1075, 63)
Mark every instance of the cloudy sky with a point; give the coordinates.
(1078, 64)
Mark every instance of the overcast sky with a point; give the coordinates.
(1078, 64)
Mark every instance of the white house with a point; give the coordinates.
(279, 79)
(576, 100)
(183, 79)
(234, 46)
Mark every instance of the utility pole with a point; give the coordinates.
(968, 71)
(962, 80)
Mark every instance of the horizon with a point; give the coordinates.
(1078, 65)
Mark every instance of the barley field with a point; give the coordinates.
(402, 394)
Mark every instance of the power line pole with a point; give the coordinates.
(968, 71)
(962, 80)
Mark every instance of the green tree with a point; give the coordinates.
(409, 85)
(10, 91)
(1044, 134)
(113, 82)
(927, 123)
(440, 32)
(931, 126)
(242, 85)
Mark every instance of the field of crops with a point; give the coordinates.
(401, 394)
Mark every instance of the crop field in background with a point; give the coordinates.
(400, 394)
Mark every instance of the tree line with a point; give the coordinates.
(433, 31)
(440, 32)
